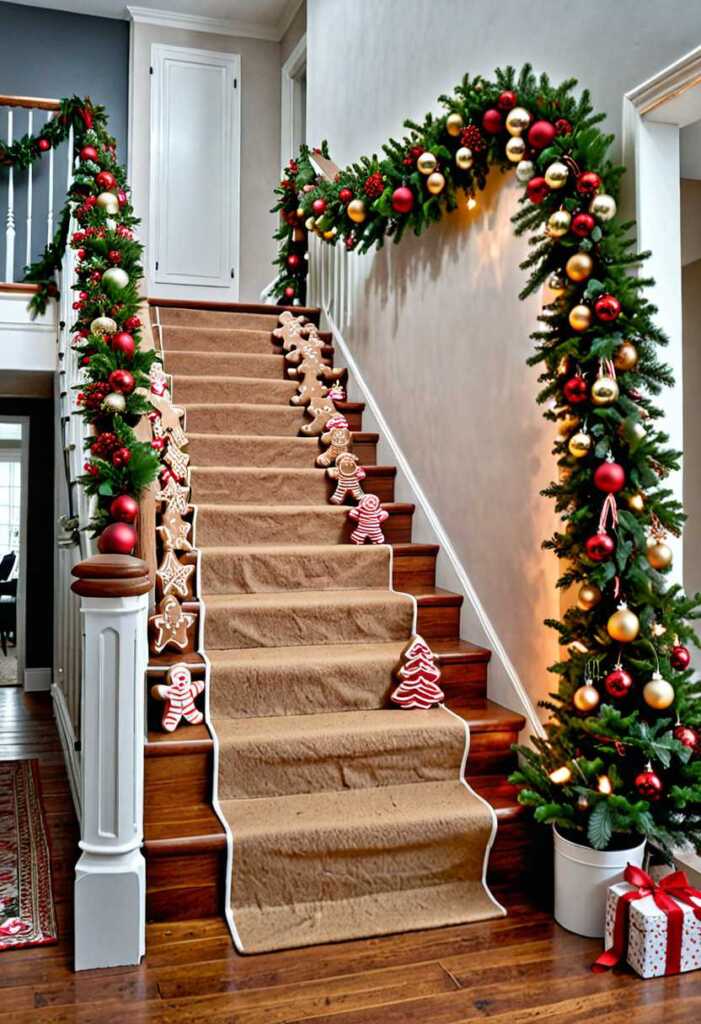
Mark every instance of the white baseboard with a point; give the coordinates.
(68, 743)
(37, 680)
(505, 686)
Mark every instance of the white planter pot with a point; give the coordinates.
(582, 878)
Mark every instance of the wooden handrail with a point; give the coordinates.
(30, 102)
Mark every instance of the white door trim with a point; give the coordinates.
(21, 633)
(290, 69)
(159, 52)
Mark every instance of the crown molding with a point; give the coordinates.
(668, 85)
(287, 16)
(214, 26)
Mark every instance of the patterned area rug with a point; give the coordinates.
(27, 916)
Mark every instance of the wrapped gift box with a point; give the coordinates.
(661, 939)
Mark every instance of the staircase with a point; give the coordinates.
(306, 664)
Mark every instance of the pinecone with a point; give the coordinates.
(374, 185)
(471, 137)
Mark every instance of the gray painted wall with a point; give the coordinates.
(55, 54)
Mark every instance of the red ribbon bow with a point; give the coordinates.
(672, 888)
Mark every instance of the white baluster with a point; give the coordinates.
(10, 219)
(50, 215)
(71, 162)
(30, 174)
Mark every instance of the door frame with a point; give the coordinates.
(21, 632)
(290, 71)
(157, 53)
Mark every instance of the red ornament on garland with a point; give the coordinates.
(345, 195)
(289, 292)
(686, 735)
(537, 189)
(117, 539)
(575, 390)
(43, 145)
(588, 183)
(158, 444)
(121, 381)
(541, 134)
(599, 547)
(123, 343)
(492, 121)
(649, 785)
(679, 657)
(471, 137)
(582, 224)
(318, 207)
(402, 199)
(293, 261)
(132, 323)
(563, 126)
(609, 477)
(105, 180)
(121, 457)
(607, 308)
(124, 508)
(618, 683)
(88, 153)
(114, 256)
(374, 185)
(507, 100)
(122, 197)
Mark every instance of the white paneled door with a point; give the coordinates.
(195, 169)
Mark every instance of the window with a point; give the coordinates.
(10, 490)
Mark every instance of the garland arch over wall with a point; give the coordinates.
(621, 755)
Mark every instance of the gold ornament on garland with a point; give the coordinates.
(435, 183)
(658, 693)
(579, 267)
(426, 163)
(464, 158)
(103, 325)
(580, 317)
(515, 149)
(604, 391)
(588, 597)
(625, 357)
(525, 171)
(454, 124)
(579, 445)
(624, 625)
(559, 223)
(567, 425)
(636, 502)
(556, 284)
(659, 555)
(517, 120)
(356, 210)
(114, 403)
(557, 174)
(108, 202)
(603, 207)
(586, 698)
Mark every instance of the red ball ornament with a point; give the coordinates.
(679, 657)
(318, 207)
(588, 183)
(402, 199)
(649, 785)
(88, 153)
(43, 145)
(507, 100)
(121, 457)
(492, 121)
(575, 390)
(117, 539)
(121, 381)
(105, 180)
(293, 261)
(618, 683)
(345, 195)
(563, 126)
(686, 735)
(609, 477)
(122, 197)
(582, 224)
(541, 134)
(607, 307)
(114, 256)
(83, 296)
(600, 547)
(123, 342)
(132, 323)
(124, 508)
(537, 189)
(158, 444)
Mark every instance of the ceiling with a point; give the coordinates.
(268, 18)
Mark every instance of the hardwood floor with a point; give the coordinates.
(522, 968)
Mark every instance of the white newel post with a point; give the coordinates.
(110, 879)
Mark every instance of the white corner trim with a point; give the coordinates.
(201, 23)
(498, 649)
(67, 737)
(668, 84)
(37, 680)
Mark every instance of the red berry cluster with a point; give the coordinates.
(374, 185)
(104, 444)
(94, 394)
(413, 155)
(472, 137)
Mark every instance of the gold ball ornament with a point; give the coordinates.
(114, 403)
(525, 171)
(624, 625)
(567, 425)
(356, 211)
(658, 693)
(559, 223)
(579, 266)
(556, 174)
(625, 357)
(516, 149)
(108, 202)
(517, 120)
(103, 325)
(659, 555)
(299, 213)
(604, 391)
(464, 158)
(579, 445)
(586, 698)
(115, 277)
(454, 124)
(435, 183)
(588, 597)
(331, 233)
(636, 502)
(603, 207)
(580, 317)
(426, 163)
(556, 284)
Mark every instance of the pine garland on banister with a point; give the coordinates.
(622, 756)
(106, 334)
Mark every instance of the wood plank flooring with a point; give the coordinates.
(517, 970)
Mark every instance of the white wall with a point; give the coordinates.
(443, 338)
(260, 139)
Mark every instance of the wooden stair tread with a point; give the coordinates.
(450, 651)
(310, 312)
(500, 794)
(435, 596)
(490, 717)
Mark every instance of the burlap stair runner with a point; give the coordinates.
(348, 817)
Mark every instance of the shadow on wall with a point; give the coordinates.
(443, 339)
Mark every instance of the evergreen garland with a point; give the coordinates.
(619, 768)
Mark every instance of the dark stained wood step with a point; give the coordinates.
(414, 565)
(438, 613)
